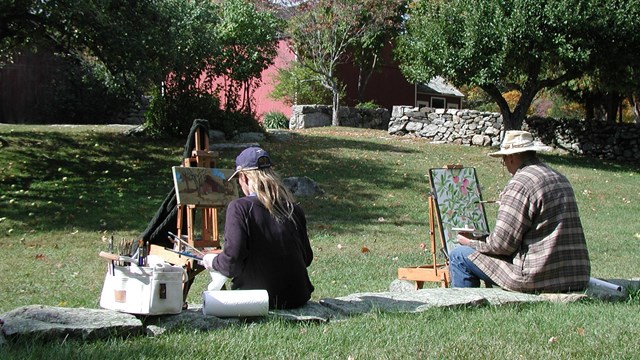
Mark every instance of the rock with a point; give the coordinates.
(408, 301)
(563, 298)
(232, 146)
(249, 137)
(280, 134)
(302, 186)
(399, 285)
(216, 135)
(48, 323)
(192, 318)
(311, 311)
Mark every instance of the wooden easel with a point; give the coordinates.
(434, 272)
(200, 157)
(210, 241)
(441, 194)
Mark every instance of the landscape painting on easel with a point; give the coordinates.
(458, 202)
(204, 186)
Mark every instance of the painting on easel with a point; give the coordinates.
(458, 202)
(204, 186)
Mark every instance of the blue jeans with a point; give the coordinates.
(464, 273)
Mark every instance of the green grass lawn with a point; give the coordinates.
(65, 190)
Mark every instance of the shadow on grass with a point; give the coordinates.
(354, 172)
(88, 181)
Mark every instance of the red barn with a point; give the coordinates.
(386, 87)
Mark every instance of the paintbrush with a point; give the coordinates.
(186, 244)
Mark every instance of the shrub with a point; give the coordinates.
(172, 114)
(297, 85)
(368, 105)
(275, 120)
(234, 122)
(81, 93)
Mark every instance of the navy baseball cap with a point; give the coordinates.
(252, 158)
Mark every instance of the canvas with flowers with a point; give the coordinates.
(458, 199)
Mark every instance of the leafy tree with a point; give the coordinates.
(367, 49)
(614, 77)
(230, 40)
(122, 35)
(248, 37)
(322, 31)
(297, 85)
(498, 45)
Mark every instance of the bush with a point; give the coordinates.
(173, 113)
(368, 105)
(275, 120)
(296, 85)
(233, 122)
(81, 93)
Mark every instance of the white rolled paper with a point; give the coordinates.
(217, 280)
(604, 284)
(235, 303)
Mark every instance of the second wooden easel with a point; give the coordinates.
(434, 272)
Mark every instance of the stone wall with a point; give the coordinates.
(468, 127)
(135, 115)
(620, 142)
(309, 116)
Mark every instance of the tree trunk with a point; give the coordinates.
(335, 118)
(611, 106)
(635, 108)
(363, 79)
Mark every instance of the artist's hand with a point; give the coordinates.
(463, 239)
(207, 261)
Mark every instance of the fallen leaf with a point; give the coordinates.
(364, 250)
(39, 256)
(580, 331)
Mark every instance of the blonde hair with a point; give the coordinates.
(272, 193)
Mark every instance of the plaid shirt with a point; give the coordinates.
(537, 244)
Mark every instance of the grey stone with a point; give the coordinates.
(408, 301)
(249, 137)
(216, 135)
(399, 285)
(563, 298)
(280, 134)
(191, 318)
(49, 322)
(414, 126)
(302, 186)
(311, 311)
(396, 126)
(429, 130)
(232, 146)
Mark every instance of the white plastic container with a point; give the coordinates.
(144, 290)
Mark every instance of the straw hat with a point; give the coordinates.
(516, 141)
